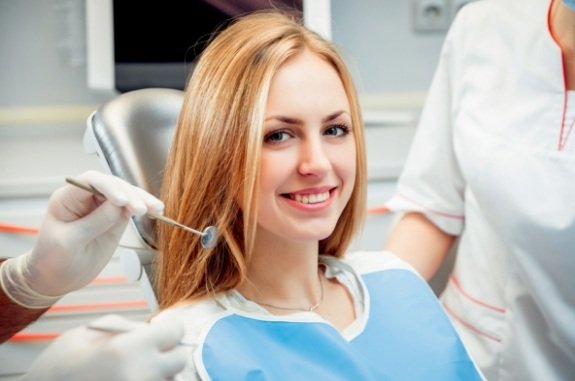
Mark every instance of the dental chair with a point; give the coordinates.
(131, 135)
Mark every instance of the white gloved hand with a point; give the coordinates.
(149, 352)
(78, 236)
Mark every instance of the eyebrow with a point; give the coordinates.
(289, 120)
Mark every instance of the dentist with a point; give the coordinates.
(493, 167)
(77, 238)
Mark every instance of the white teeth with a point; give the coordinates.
(311, 198)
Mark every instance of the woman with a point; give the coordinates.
(493, 162)
(269, 148)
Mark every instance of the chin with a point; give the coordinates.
(314, 234)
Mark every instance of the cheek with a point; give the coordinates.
(345, 163)
(274, 169)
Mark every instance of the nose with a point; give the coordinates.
(314, 158)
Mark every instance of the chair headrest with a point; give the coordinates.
(133, 132)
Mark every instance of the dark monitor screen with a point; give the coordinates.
(156, 43)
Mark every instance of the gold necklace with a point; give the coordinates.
(309, 309)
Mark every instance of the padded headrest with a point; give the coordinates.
(134, 132)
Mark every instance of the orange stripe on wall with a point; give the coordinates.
(39, 336)
(97, 306)
(46, 336)
(19, 229)
(110, 280)
(378, 210)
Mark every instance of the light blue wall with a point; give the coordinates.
(42, 60)
(385, 54)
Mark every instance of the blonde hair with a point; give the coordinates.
(213, 165)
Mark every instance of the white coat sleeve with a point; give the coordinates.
(431, 181)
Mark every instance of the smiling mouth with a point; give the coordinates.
(314, 198)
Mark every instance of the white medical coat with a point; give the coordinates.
(492, 163)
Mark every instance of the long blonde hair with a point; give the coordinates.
(215, 155)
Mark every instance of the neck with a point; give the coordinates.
(283, 273)
(563, 27)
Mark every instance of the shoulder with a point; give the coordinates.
(474, 17)
(195, 316)
(365, 262)
(487, 34)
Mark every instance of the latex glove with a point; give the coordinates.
(77, 238)
(149, 352)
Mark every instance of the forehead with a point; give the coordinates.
(304, 83)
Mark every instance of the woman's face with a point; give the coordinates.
(308, 161)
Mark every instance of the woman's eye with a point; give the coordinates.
(337, 130)
(276, 137)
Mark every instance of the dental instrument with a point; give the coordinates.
(209, 235)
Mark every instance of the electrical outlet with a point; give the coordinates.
(430, 15)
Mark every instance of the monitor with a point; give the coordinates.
(133, 45)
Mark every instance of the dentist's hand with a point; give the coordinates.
(77, 238)
(149, 352)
